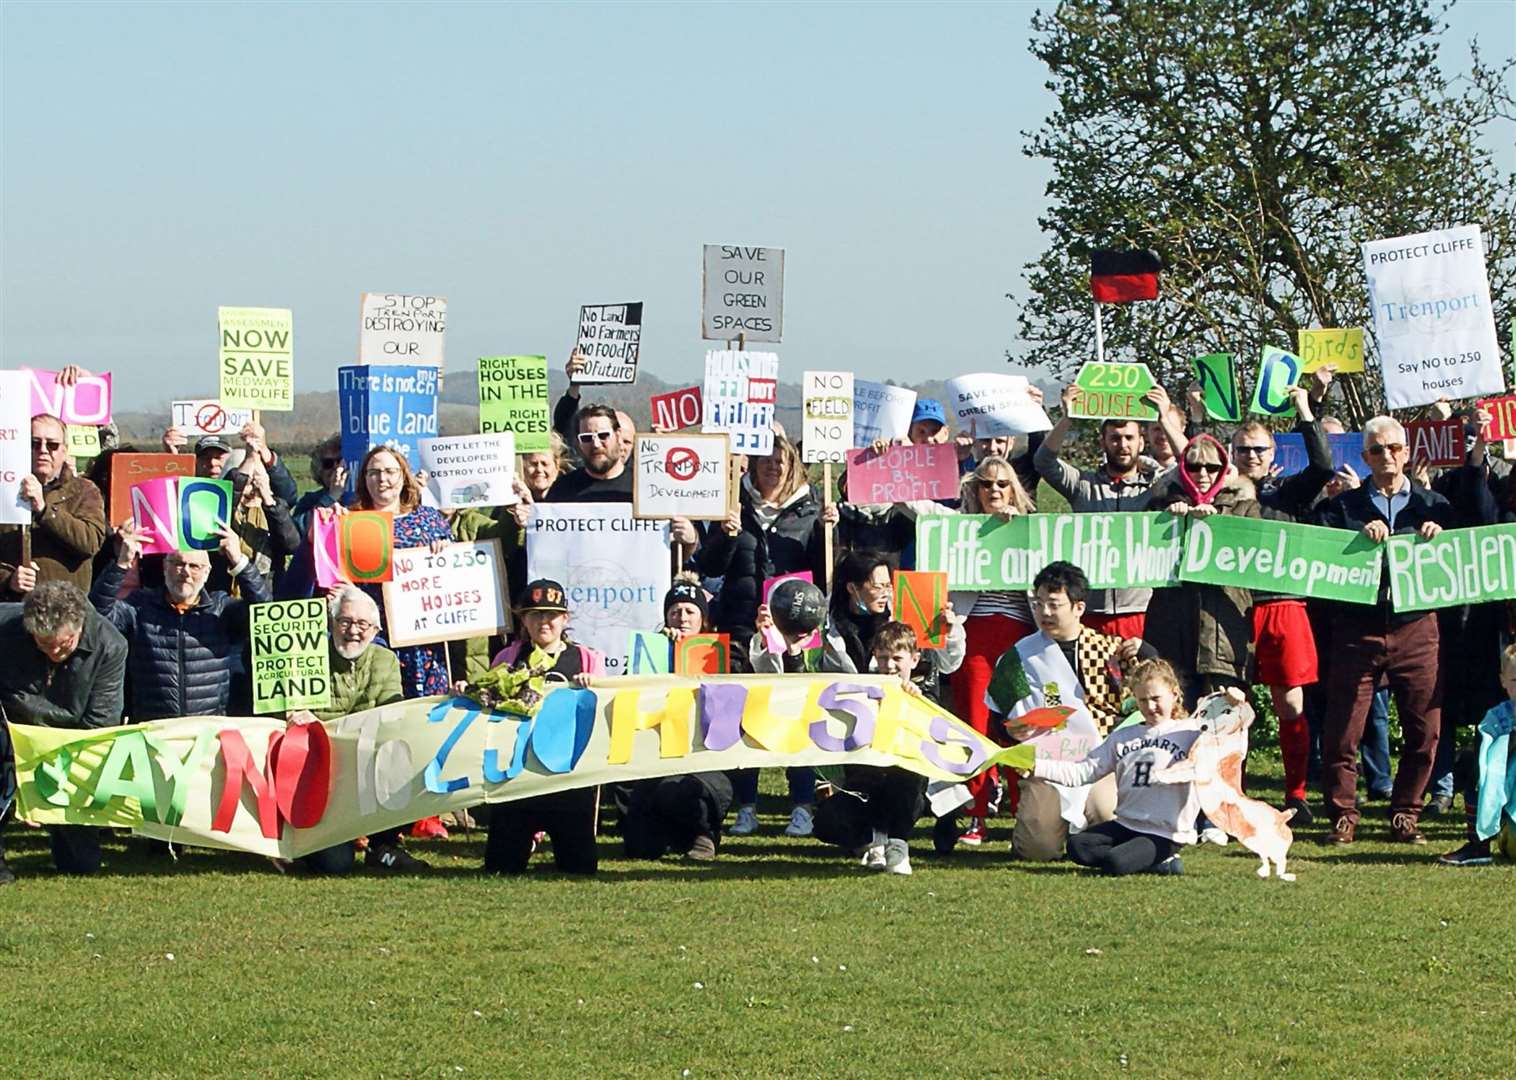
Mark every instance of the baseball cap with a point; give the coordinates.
(213, 443)
(929, 409)
(798, 607)
(544, 594)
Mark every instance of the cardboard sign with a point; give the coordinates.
(257, 358)
(920, 598)
(15, 446)
(130, 469)
(1278, 372)
(1433, 324)
(470, 470)
(205, 417)
(400, 328)
(680, 476)
(1458, 566)
(741, 389)
(903, 474)
(1282, 557)
(1112, 391)
(291, 662)
(1218, 384)
(1502, 412)
(457, 593)
(676, 409)
(393, 406)
(182, 513)
(743, 293)
(827, 420)
(83, 441)
(1436, 442)
(610, 338)
(703, 654)
(992, 405)
(649, 653)
(88, 401)
(881, 411)
(513, 397)
(1115, 550)
(1340, 348)
(357, 547)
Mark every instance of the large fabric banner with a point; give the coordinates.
(264, 786)
(1301, 560)
(1460, 566)
(981, 553)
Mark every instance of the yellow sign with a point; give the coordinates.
(1344, 348)
(257, 358)
(83, 440)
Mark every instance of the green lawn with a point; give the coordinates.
(781, 959)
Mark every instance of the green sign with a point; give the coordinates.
(1278, 371)
(1460, 566)
(1277, 556)
(1110, 391)
(980, 553)
(291, 668)
(513, 397)
(1218, 382)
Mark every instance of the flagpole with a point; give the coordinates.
(1099, 335)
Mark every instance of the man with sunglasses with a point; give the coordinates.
(604, 476)
(1376, 643)
(68, 519)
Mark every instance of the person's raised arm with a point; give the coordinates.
(1060, 475)
(1158, 397)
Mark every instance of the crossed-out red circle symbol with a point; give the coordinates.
(681, 463)
(211, 418)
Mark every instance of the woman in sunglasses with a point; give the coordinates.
(330, 473)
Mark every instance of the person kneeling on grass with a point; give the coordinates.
(568, 817)
(1154, 815)
(1487, 774)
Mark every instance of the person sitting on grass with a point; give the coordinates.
(1487, 774)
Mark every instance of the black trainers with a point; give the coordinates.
(1303, 815)
(394, 859)
(6, 876)
(1474, 853)
(702, 850)
(1172, 865)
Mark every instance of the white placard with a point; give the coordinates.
(681, 476)
(207, 417)
(456, 593)
(469, 470)
(826, 428)
(743, 294)
(15, 446)
(610, 339)
(880, 411)
(993, 404)
(1435, 330)
(740, 392)
(614, 567)
(399, 328)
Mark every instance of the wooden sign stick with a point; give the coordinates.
(826, 546)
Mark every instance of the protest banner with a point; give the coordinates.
(1433, 324)
(401, 328)
(880, 411)
(989, 405)
(130, 469)
(676, 409)
(1502, 412)
(1107, 390)
(610, 339)
(1281, 557)
(703, 654)
(743, 293)
(1278, 371)
(1217, 374)
(613, 566)
(88, 401)
(513, 397)
(470, 470)
(979, 552)
(83, 441)
(1343, 349)
(280, 789)
(394, 406)
(649, 653)
(15, 446)
(741, 389)
(1458, 566)
(1436, 442)
(456, 593)
(680, 476)
(291, 664)
(826, 429)
(204, 417)
(920, 597)
(358, 546)
(257, 358)
(182, 513)
(1290, 456)
(903, 474)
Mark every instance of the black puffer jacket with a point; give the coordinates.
(181, 664)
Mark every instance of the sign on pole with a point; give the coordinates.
(827, 424)
(291, 664)
(610, 339)
(1113, 391)
(257, 358)
(205, 417)
(15, 447)
(449, 595)
(393, 406)
(680, 476)
(513, 397)
(401, 328)
(740, 392)
(676, 409)
(743, 293)
(470, 470)
(881, 411)
(990, 405)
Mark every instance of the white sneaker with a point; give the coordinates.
(897, 857)
(746, 823)
(802, 821)
(1212, 835)
(873, 855)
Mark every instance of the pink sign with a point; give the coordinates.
(324, 552)
(88, 401)
(155, 508)
(902, 474)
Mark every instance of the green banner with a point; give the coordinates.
(980, 553)
(1460, 566)
(291, 668)
(1277, 556)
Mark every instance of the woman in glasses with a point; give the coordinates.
(330, 474)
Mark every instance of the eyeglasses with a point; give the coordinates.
(588, 437)
(188, 567)
(1388, 448)
(52, 446)
(363, 626)
(1201, 466)
(379, 474)
(1254, 451)
(996, 483)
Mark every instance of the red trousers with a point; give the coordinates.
(988, 637)
(1130, 625)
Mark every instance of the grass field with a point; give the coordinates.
(781, 959)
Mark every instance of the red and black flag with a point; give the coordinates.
(1119, 277)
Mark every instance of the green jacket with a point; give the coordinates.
(373, 679)
(470, 658)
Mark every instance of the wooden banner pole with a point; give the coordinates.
(826, 500)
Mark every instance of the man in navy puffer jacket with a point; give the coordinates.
(186, 641)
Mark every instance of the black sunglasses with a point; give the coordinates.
(52, 446)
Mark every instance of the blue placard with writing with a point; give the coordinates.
(388, 405)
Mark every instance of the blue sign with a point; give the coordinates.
(1290, 456)
(392, 406)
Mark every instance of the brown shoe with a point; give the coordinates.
(702, 850)
(1403, 829)
(1342, 831)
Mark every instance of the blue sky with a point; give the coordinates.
(159, 160)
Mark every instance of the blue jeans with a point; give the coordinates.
(1374, 749)
(802, 781)
(1441, 783)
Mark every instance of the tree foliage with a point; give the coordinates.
(1255, 144)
